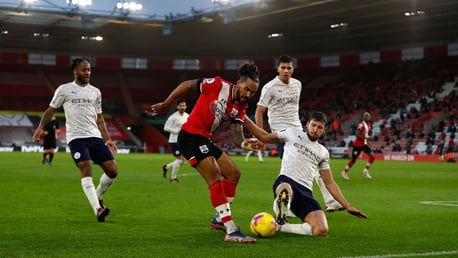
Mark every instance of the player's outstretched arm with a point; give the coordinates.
(334, 189)
(260, 133)
(356, 212)
(179, 91)
(45, 118)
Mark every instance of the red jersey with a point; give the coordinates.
(364, 129)
(214, 106)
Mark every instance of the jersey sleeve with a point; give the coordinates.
(324, 163)
(265, 97)
(172, 124)
(98, 106)
(207, 85)
(282, 135)
(240, 111)
(167, 125)
(58, 98)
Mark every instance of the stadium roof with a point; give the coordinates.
(252, 29)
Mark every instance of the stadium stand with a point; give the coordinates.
(412, 95)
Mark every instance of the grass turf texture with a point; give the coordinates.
(44, 213)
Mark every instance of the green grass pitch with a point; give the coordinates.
(412, 208)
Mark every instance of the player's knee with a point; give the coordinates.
(113, 174)
(235, 176)
(231, 173)
(371, 158)
(282, 186)
(110, 168)
(320, 230)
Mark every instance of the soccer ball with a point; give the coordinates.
(263, 225)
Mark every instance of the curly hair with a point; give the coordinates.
(249, 71)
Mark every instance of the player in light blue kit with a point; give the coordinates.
(173, 126)
(304, 158)
(280, 97)
(87, 135)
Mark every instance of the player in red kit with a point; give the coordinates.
(219, 101)
(361, 144)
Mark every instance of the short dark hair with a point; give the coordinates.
(179, 101)
(318, 116)
(285, 59)
(77, 61)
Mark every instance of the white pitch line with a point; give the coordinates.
(187, 174)
(439, 253)
(441, 203)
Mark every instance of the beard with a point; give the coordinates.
(83, 80)
(313, 138)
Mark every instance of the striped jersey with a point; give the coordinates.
(214, 106)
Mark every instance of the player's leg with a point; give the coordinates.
(102, 156)
(80, 153)
(283, 195)
(318, 223)
(330, 203)
(210, 171)
(90, 192)
(370, 161)
(179, 160)
(248, 154)
(166, 167)
(164, 170)
(107, 178)
(260, 156)
(88, 184)
(354, 156)
(300, 229)
(176, 166)
(306, 207)
(231, 176)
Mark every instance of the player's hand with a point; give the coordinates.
(251, 144)
(355, 212)
(37, 135)
(158, 108)
(112, 146)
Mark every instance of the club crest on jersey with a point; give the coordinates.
(203, 149)
(234, 112)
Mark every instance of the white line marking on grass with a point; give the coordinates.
(439, 253)
(441, 203)
(188, 174)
